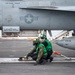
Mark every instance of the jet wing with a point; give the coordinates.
(63, 8)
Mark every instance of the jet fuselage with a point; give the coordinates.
(14, 13)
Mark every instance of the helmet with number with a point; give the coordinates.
(43, 36)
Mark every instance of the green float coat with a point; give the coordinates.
(39, 46)
(49, 45)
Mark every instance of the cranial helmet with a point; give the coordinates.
(43, 36)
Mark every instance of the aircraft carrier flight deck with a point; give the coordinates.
(17, 48)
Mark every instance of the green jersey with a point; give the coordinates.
(44, 49)
(48, 45)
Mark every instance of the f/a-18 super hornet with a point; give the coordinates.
(37, 14)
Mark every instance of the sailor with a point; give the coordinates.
(48, 46)
(39, 53)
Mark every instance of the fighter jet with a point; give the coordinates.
(37, 15)
(67, 43)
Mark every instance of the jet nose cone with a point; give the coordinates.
(59, 42)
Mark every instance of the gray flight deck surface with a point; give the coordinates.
(17, 48)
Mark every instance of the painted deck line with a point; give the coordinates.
(15, 60)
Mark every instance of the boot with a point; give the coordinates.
(51, 59)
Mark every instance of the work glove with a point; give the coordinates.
(21, 58)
